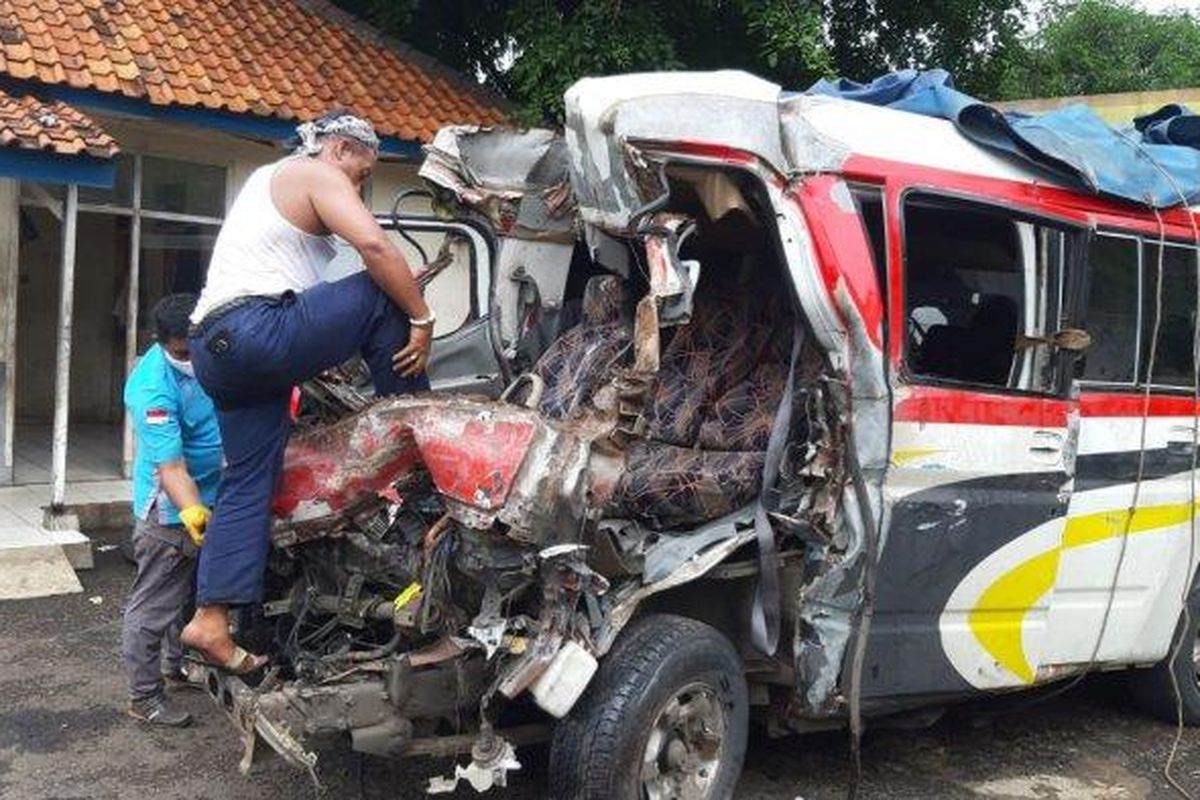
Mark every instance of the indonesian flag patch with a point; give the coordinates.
(157, 416)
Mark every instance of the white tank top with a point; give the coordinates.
(258, 251)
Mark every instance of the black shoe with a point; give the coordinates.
(183, 678)
(159, 710)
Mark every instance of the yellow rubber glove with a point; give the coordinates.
(195, 520)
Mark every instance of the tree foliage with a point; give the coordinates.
(532, 50)
(1100, 46)
(971, 39)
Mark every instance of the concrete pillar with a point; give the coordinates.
(10, 211)
(62, 378)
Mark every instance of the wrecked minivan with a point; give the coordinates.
(760, 405)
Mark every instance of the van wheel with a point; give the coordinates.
(1152, 688)
(665, 717)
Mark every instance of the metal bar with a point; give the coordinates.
(131, 307)
(11, 266)
(62, 380)
(171, 216)
(106, 208)
(166, 216)
(459, 744)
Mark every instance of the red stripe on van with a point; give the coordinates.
(1028, 195)
(1131, 404)
(973, 407)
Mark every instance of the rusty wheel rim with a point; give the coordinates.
(683, 753)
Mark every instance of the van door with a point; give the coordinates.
(1125, 574)
(463, 358)
(982, 449)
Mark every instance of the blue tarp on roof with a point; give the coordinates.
(1156, 162)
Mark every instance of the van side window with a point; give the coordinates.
(1111, 311)
(980, 283)
(1173, 361)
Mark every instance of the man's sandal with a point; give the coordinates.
(243, 663)
(240, 662)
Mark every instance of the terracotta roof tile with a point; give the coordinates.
(285, 58)
(32, 124)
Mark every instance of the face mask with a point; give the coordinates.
(182, 366)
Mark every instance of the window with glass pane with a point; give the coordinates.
(182, 187)
(119, 194)
(36, 194)
(1111, 312)
(1173, 359)
(174, 258)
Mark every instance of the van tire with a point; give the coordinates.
(1153, 689)
(660, 664)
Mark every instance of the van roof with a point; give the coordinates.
(793, 131)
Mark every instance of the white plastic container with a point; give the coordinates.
(569, 673)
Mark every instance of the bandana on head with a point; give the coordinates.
(348, 125)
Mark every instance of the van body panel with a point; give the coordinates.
(1154, 567)
(1044, 570)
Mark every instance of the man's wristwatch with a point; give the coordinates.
(427, 322)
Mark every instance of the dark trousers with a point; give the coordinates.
(166, 567)
(248, 360)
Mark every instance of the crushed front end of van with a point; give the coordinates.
(670, 506)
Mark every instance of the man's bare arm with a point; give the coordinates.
(342, 211)
(178, 484)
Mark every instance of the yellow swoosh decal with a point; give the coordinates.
(998, 618)
(903, 456)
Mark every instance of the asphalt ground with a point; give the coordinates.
(63, 734)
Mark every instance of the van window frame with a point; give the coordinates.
(1195, 250)
(882, 267)
(1145, 322)
(1017, 213)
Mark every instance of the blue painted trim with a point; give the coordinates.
(272, 128)
(45, 167)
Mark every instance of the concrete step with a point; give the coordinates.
(38, 549)
(36, 570)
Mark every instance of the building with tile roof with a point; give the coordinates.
(289, 60)
(126, 130)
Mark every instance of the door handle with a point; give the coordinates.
(1046, 442)
(1181, 440)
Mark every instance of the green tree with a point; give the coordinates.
(1100, 46)
(971, 39)
(531, 50)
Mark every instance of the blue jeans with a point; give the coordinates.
(248, 360)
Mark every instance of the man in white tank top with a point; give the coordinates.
(266, 322)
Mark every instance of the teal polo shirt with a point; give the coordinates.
(172, 419)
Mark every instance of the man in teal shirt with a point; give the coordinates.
(176, 468)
